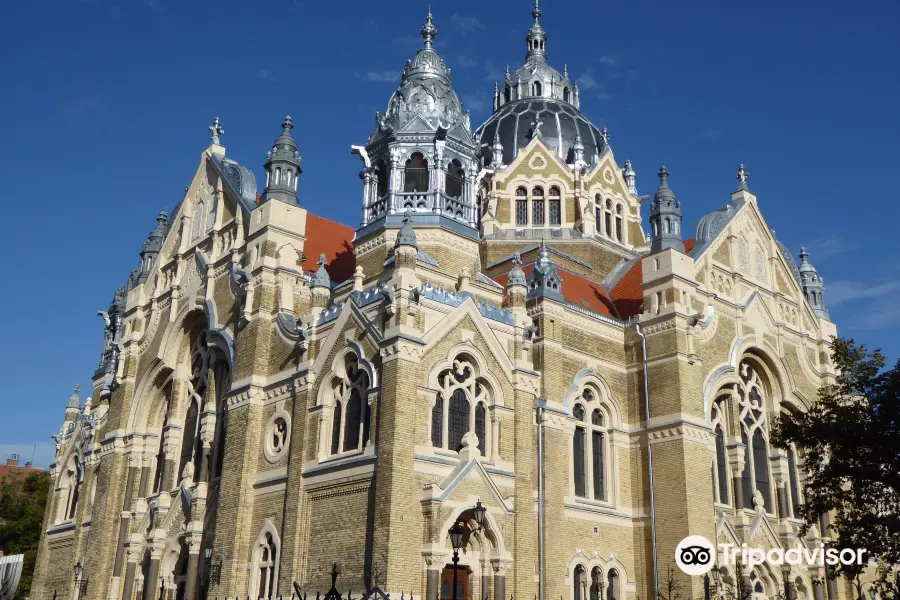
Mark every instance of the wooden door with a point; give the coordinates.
(462, 583)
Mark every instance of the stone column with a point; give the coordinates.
(134, 552)
(781, 472)
(786, 576)
(151, 583)
(433, 576)
(831, 583)
(736, 466)
(499, 581)
(485, 579)
(818, 589)
(494, 454)
(193, 566)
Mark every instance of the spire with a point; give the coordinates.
(544, 281)
(536, 39)
(630, 177)
(665, 217)
(742, 175)
(321, 278)
(152, 247)
(578, 149)
(407, 235)
(429, 31)
(813, 285)
(496, 151)
(216, 130)
(283, 167)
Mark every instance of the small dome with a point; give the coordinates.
(425, 88)
(561, 124)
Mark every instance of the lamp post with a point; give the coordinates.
(78, 571)
(457, 538)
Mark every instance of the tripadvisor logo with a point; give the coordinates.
(695, 555)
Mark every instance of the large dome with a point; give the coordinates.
(560, 124)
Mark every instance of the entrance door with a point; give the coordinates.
(462, 583)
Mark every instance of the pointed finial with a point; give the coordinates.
(507, 70)
(516, 275)
(804, 255)
(287, 124)
(565, 70)
(75, 398)
(162, 218)
(605, 135)
(216, 131)
(429, 31)
(742, 175)
(536, 13)
(536, 125)
(663, 176)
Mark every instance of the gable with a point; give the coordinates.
(537, 158)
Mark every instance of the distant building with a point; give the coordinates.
(278, 392)
(12, 467)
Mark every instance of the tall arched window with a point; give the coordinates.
(264, 580)
(455, 176)
(349, 389)
(381, 179)
(536, 89)
(751, 394)
(555, 206)
(521, 206)
(566, 94)
(197, 227)
(70, 489)
(579, 583)
(537, 206)
(613, 591)
(794, 476)
(589, 448)
(608, 219)
(579, 445)
(461, 407)
(721, 466)
(620, 235)
(506, 95)
(598, 214)
(596, 584)
(416, 174)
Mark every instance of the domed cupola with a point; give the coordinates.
(538, 93)
(421, 156)
(813, 286)
(283, 168)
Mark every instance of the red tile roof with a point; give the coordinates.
(576, 289)
(335, 241)
(628, 296)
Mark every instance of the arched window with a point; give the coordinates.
(521, 206)
(336, 427)
(555, 206)
(197, 227)
(277, 176)
(596, 583)
(264, 582)
(381, 179)
(465, 411)
(537, 206)
(794, 476)
(752, 400)
(613, 591)
(349, 389)
(70, 489)
(536, 89)
(459, 418)
(590, 452)
(566, 94)
(506, 95)
(188, 437)
(619, 233)
(354, 419)
(598, 214)
(437, 428)
(455, 176)
(416, 174)
(222, 385)
(608, 219)
(580, 443)
(721, 466)
(579, 583)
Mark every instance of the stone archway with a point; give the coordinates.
(483, 561)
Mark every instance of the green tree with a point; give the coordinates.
(22, 503)
(850, 441)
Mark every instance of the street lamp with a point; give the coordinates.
(457, 533)
(79, 569)
(480, 512)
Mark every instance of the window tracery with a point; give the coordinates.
(521, 206)
(350, 411)
(590, 447)
(264, 570)
(555, 206)
(461, 406)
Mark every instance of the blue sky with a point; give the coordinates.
(106, 106)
